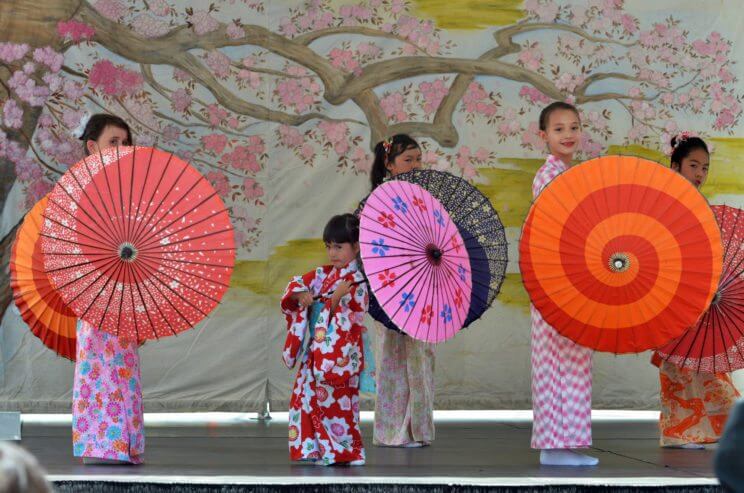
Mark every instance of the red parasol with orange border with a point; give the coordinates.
(39, 304)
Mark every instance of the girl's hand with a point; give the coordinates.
(304, 299)
(342, 289)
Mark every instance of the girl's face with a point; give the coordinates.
(340, 254)
(408, 160)
(111, 136)
(694, 167)
(562, 134)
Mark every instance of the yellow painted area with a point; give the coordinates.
(726, 173)
(639, 151)
(510, 190)
(513, 293)
(270, 277)
(470, 14)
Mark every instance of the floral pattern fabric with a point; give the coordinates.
(694, 406)
(404, 409)
(324, 405)
(107, 398)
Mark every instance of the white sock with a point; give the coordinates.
(566, 457)
(413, 445)
(324, 462)
(688, 446)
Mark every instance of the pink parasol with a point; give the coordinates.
(415, 260)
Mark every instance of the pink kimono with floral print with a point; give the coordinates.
(107, 398)
(324, 406)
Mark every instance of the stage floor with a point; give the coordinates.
(486, 452)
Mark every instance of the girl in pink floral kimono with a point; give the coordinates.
(404, 408)
(107, 407)
(324, 406)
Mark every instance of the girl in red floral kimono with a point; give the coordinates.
(324, 406)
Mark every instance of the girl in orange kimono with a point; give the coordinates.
(694, 406)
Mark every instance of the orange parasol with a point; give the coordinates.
(620, 254)
(40, 305)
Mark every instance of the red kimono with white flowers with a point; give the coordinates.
(324, 407)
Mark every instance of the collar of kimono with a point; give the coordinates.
(351, 270)
(557, 162)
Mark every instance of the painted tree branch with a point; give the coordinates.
(193, 66)
(307, 38)
(581, 89)
(504, 36)
(505, 46)
(71, 71)
(171, 49)
(149, 77)
(121, 40)
(269, 71)
(633, 117)
(218, 168)
(339, 87)
(387, 71)
(181, 123)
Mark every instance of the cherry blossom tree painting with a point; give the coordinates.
(224, 108)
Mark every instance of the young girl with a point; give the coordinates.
(694, 406)
(107, 399)
(561, 369)
(404, 415)
(324, 407)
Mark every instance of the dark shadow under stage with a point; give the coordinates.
(486, 454)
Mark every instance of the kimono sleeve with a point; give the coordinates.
(296, 317)
(309, 282)
(341, 356)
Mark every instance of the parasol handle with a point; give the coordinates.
(320, 296)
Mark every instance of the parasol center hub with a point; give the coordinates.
(619, 262)
(716, 298)
(434, 254)
(127, 252)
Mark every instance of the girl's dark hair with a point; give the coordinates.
(97, 123)
(683, 146)
(384, 153)
(343, 228)
(551, 108)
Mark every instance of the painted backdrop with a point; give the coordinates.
(278, 104)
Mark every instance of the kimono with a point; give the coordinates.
(404, 409)
(561, 369)
(694, 406)
(107, 398)
(324, 406)
(404, 377)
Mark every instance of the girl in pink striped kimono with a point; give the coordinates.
(561, 369)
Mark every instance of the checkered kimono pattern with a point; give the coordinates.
(561, 369)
